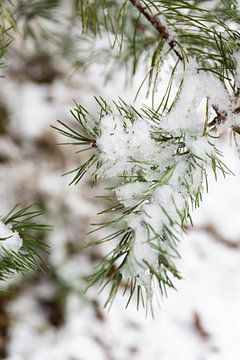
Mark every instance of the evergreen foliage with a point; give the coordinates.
(30, 255)
(18, 223)
(156, 157)
(199, 41)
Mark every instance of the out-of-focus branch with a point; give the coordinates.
(213, 232)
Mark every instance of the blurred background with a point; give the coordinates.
(47, 316)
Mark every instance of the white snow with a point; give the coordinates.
(121, 142)
(9, 240)
(131, 194)
(197, 85)
(200, 147)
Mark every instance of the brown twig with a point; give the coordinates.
(198, 325)
(221, 117)
(216, 236)
(157, 24)
(211, 230)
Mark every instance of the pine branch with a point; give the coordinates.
(154, 20)
(121, 265)
(157, 24)
(155, 158)
(30, 255)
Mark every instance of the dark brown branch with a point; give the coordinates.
(154, 20)
(221, 118)
(198, 325)
(157, 24)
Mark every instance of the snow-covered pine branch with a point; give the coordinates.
(157, 158)
(21, 245)
(10, 240)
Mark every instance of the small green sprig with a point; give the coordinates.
(31, 255)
